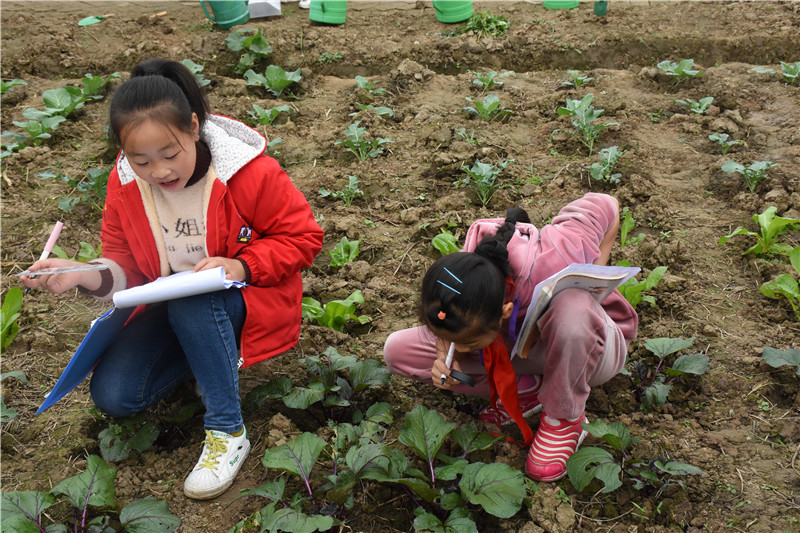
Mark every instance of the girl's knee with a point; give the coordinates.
(111, 399)
(392, 349)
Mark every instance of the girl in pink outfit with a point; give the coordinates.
(476, 300)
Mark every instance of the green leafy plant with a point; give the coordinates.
(12, 141)
(272, 146)
(254, 48)
(66, 100)
(86, 253)
(346, 195)
(482, 178)
(37, 131)
(490, 108)
(91, 496)
(591, 462)
(485, 24)
(90, 189)
(632, 289)
(468, 138)
(9, 313)
(779, 358)
(329, 57)
(381, 111)
(724, 143)
(583, 115)
(445, 242)
(771, 227)
(344, 252)
(7, 414)
(275, 79)
(604, 169)
(785, 286)
(487, 80)
(754, 173)
(266, 117)
(126, 434)
(197, 71)
(789, 72)
(696, 107)
(627, 225)
(576, 80)
(336, 313)
(5, 86)
(680, 71)
(358, 145)
(652, 385)
(369, 86)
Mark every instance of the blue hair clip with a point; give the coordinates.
(448, 286)
(454, 276)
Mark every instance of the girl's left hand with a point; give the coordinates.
(234, 270)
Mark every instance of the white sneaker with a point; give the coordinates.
(222, 457)
(305, 4)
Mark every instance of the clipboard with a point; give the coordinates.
(103, 332)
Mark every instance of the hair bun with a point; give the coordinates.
(492, 250)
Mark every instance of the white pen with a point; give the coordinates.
(449, 360)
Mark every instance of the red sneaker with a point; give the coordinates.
(528, 403)
(552, 446)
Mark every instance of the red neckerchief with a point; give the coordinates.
(503, 380)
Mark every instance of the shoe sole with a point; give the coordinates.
(216, 491)
(564, 473)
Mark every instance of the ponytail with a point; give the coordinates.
(160, 90)
(461, 288)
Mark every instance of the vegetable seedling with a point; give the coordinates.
(680, 71)
(91, 188)
(335, 313)
(266, 117)
(632, 289)
(604, 170)
(9, 313)
(445, 242)
(5, 86)
(197, 71)
(724, 143)
(583, 114)
(347, 195)
(785, 286)
(7, 414)
(329, 57)
(789, 72)
(381, 111)
(86, 253)
(369, 86)
(754, 173)
(487, 80)
(576, 79)
(483, 25)
(489, 108)
(254, 48)
(778, 358)
(627, 225)
(482, 178)
(344, 252)
(124, 435)
(275, 79)
(358, 145)
(771, 227)
(696, 107)
(468, 138)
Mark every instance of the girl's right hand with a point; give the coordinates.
(440, 366)
(58, 283)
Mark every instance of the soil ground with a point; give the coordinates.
(739, 422)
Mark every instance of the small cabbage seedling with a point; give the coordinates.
(696, 107)
(86, 253)
(346, 195)
(482, 178)
(789, 72)
(653, 386)
(344, 252)
(266, 117)
(680, 71)
(487, 80)
(358, 145)
(627, 225)
(275, 79)
(576, 79)
(484, 24)
(778, 358)
(724, 143)
(197, 71)
(785, 286)
(771, 227)
(124, 435)
(7, 414)
(336, 313)
(90, 189)
(381, 111)
(583, 114)
(489, 108)
(445, 242)
(38, 131)
(9, 313)
(754, 173)
(604, 170)
(329, 57)
(632, 289)
(369, 86)
(254, 48)
(468, 138)
(10, 142)
(5, 86)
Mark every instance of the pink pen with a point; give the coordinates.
(48, 247)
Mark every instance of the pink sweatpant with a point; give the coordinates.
(580, 347)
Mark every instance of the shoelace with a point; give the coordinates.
(214, 447)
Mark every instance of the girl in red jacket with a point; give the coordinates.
(192, 191)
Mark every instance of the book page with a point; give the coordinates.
(175, 286)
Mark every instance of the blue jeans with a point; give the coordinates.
(167, 345)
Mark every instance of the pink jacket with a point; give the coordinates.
(574, 236)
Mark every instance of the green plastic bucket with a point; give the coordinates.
(600, 8)
(227, 13)
(328, 11)
(451, 11)
(561, 4)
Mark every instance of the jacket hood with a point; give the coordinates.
(232, 143)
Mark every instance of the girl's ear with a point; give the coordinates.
(195, 127)
(508, 308)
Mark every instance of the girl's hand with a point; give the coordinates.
(234, 270)
(440, 367)
(58, 283)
